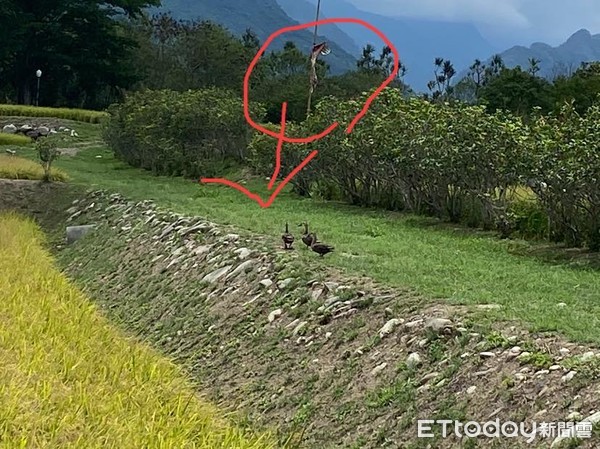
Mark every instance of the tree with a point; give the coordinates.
(534, 66)
(517, 91)
(440, 86)
(583, 87)
(480, 75)
(367, 60)
(379, 69)
(48, 152)
(80, 46)
(477, 74)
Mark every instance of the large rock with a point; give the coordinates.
(74, 233)
(389, 327)
(244, 267)
(216, 275)
(43, 130)
(9, 129)
(439, 325)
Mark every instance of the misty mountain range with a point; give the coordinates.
(418, 41)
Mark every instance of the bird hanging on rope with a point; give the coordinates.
(318, 49)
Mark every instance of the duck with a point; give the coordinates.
(288, 239)
(307, 238)
(320, 248)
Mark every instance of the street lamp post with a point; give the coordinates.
(38, 73)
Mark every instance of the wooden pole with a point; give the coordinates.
(310, 87)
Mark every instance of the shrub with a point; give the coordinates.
(451, 161)
(181, 133)
(566, 174)
(48, 152)
(261, 157)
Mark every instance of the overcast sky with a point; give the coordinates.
(502, 22)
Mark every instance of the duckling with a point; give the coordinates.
(320, 248)
(307, 238)
(287, 238)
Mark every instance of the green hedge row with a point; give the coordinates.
(456, 162)
(192, 134)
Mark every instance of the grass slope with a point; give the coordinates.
(401, 250)
(70, 380)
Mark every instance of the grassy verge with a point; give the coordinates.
(13, 167)
(14, 139)
(439, 261)
(80, 115)
(70, 380)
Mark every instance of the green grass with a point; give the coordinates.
(438, 261)
(14, 139)
(14, 167)
(80, 115)
(68, 379)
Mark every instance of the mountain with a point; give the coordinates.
(563, 59)
(264, 17)
(304, 11)
(418, 41)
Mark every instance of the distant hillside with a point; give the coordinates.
(304, 11)
(418, 41)
(562, 60)
(264, 17)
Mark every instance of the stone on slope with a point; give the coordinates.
(274, 315)
(216, 275)
(389, 327)
(241, 268)
(74, 233)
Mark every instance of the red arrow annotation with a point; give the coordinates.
(280, 136)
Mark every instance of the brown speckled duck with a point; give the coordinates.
(320, 248)
(307, 238)
(288, 239)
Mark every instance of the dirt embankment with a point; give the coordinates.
(341, 361)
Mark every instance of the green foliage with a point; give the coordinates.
(80, 115)
(566, 166)
(47, 152)
(517, 91)
(178, 55)
(81, 48)
(440, 87)
(262, 157)
(454, 161)
(444, 160)
(537, 359)
(192, 134)
(582, 88)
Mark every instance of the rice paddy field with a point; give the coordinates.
(14, 167)
(69, 379)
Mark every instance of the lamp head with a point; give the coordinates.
(38, 73)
